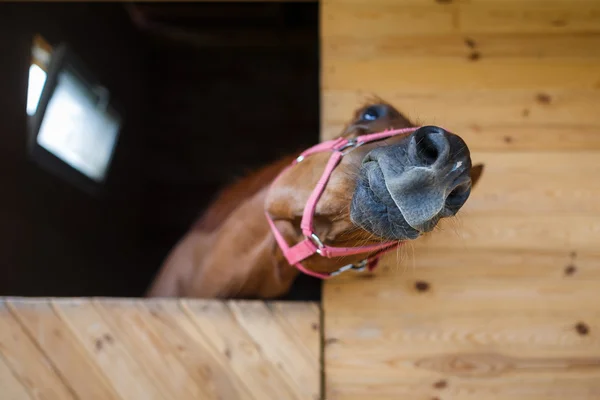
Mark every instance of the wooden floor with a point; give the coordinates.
(132, 349)
(504, 301)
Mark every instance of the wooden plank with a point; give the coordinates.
(530, 16)
(487, 120)
(421, 17)
(467, 325)
(285, 351)
(413, 75)
(509, 387)
(107, 351)
(263, 379)
(415, 336)
(133, 329)
(380, 18)
(209, 367)
(438, 48)
(525, 281)
(301, 321)
(501, 302)
(10, 386)
(158, 349)
(64, 349)
(27, 362)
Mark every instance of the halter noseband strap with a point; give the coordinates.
(312, 244)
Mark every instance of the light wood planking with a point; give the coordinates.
(532, 16)
(62, 346)
(264, 378)
(537, 281)
(158, 349)
(502, 302)
(12, 388)
(208, 368)
(296, 366)
(430, 17)
(309, 336)
(465, 46)
(133, 327)
(27, 361)
(101, 343)
(506, 120)
(489, 324)
(428, 75)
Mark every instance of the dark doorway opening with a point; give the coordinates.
(209, 92)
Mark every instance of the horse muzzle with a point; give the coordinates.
(404, 189)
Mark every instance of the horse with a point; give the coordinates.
(340, 205)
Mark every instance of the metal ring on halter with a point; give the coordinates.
(349, 146)
(357, 267)
(360, 266)
(315, 239)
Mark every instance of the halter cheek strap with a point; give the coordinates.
(312, 244)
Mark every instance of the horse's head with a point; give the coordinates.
(395, 189)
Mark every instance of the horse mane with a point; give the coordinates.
(234, 194)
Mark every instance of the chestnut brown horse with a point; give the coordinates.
(385, 191)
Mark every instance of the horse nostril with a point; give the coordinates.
(454, 197)
(428, 145)
(457, 197)
(427, 151)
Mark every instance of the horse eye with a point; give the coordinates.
(370, 114)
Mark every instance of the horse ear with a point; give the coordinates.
(476, 171)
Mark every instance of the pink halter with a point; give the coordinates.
(312, 244)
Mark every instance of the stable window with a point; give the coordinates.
(74, 125)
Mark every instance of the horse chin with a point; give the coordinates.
(373, 209)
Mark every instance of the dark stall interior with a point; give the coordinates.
(206, 91)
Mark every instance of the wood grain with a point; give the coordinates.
(158, 349)
(209, 367)
(462, 46)
(134, 327)
(28, 362)
(107, 351)
(494, 324)
(517, 281)
(422, 17)
(415, 75)
(501, 302)
(220, 327)
(65, 350)
(300, 369)
(294, 318)
(555, 16)
(12, 389)
(502, 120)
